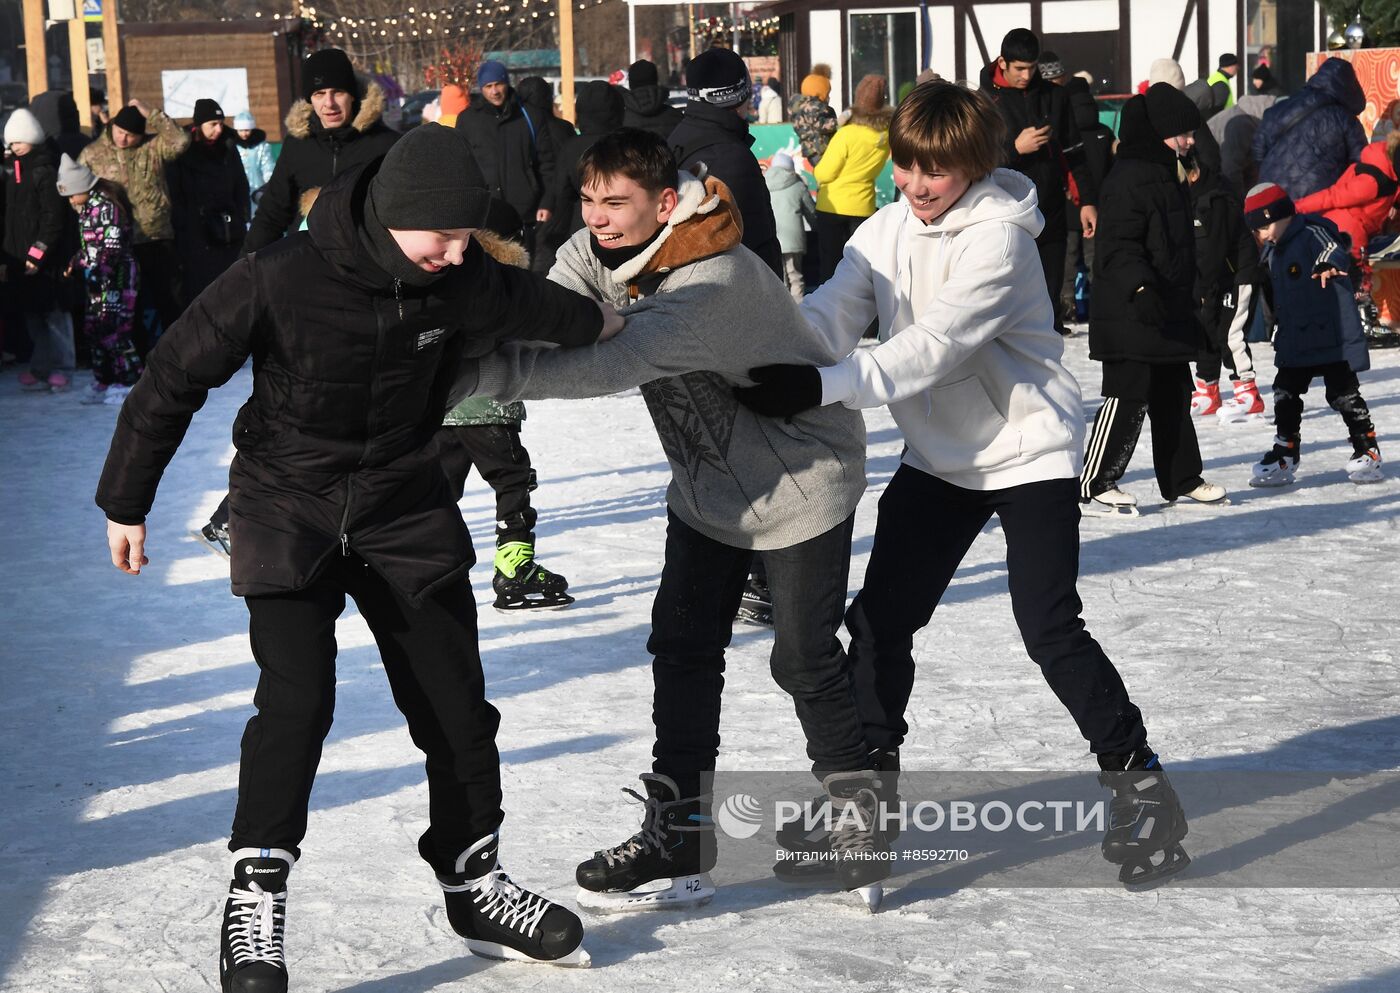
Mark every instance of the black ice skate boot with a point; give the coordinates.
(858, 846)
(810, 840)
(255, 915)
(665, 865)
(521, 583)
(502, 920)
(1145, 819)
(757, 605)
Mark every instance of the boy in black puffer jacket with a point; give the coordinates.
(356, 328)
(1142, 325)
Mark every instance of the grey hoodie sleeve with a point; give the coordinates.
(655, 344)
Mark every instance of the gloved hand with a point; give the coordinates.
(782, 390)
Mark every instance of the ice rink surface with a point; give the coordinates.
(1261, 635)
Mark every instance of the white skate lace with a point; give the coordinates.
(854, 830)
(649, 837)
(255, 925)
(503, 901)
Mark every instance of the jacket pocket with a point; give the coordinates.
(969, 431)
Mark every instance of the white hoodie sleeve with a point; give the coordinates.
(981, 295)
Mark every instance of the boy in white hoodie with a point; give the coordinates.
(970, 365)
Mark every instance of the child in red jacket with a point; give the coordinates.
(1359, 203)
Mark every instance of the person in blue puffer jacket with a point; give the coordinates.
(1305, 143)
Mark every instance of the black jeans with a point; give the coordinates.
(1052, 244)
(1343, 392)
(430, 656)
(833, 231)
(692, 621)
(925, 527)
(1134, 390)
(158, 295)
(504, 464)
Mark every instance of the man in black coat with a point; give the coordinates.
(648, 103)
(552, 133)
(1042, 141)
(507, 143)
(1143, 325)
(335, 126)
(714, 131)
(357, 329)
(209, 200)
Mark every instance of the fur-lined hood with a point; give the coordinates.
(298, 120)
(705, 223)
(880, 120)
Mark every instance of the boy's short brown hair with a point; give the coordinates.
(947, 127)
(641, 156)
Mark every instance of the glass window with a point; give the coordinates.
(886, 44)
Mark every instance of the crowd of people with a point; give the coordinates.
(394, 290)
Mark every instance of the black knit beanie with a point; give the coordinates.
(328, 69)
(717, 76)
(130, 119)
(1170, 112)
(430, 181)
(642, 73)
(207, 110)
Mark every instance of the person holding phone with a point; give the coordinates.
(1044, 145)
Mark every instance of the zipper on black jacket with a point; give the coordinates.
(345, 519)
(398, 295)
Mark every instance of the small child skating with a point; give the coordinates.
(110, 274)
(1227, 274)
(1319, 334)
(256, 155)
(792, 206)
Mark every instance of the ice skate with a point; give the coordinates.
(810, 863)
(1110, 503)
(251, 958)
(521, 583)
(1145, 822)
(858, 847)
(757, 605)
(501, 919)
(94, 393)
(1206, 398)
(1203, 495)
(1364, 466)
(1246, 405)
(1279, 465)
(215, 536)
(664, 866)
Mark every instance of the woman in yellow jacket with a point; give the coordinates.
(847, 170)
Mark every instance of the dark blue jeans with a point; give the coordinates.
(924, 529)
(692, 621)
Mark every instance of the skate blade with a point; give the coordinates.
(577, 959)
(755, 617)
(1271, 482)
(1234, 418)
(1145, 874)
(1187, 502)
(1092, 509)
(1366, 478)
(513, 608)
(215, 546)
(801, 872)
(680, 893)
(872, 896)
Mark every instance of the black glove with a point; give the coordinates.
(782, 390)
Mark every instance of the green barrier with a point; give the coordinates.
(769, 139)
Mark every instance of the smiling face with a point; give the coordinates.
(930, 194)
(433, 251)
(332, 107)
(622, 213)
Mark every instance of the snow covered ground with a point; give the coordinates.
(1257, 636)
